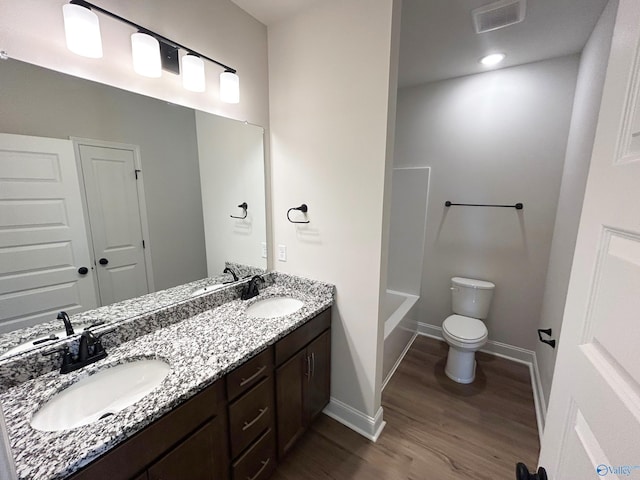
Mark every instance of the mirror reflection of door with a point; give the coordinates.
(117, 221)
(45, 259)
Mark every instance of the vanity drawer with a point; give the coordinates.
(249, 374)
(301, 336)
(251, 415)
(259, 461)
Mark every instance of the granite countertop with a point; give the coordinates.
(123, 310)
(200, 350)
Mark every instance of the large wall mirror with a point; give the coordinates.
(196, 172)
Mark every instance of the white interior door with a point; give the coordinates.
(43, 241)
(110, 180)
(593, 422)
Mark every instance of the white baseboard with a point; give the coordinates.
(397, 364)
(538, 396)
(509, 352)
(368, 427)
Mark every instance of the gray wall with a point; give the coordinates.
(498, 137)
(593, 65)
(44, 103)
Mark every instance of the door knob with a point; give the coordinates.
(103, 261)
(522, 473)
(83, 270)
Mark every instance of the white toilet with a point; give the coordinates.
(464, 331)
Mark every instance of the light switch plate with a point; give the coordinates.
(282, 253)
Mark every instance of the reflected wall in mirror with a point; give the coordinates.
(179, 153)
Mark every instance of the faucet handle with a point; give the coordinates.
(67, 358)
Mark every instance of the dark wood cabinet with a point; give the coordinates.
(302, 381)
(135, 457)
(233, 428)
(318, 385)
(259, 461)
(197, 458)
(290, 379)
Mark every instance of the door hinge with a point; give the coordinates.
(143, 245)
(136, 171)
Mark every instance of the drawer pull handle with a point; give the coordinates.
(262, 411)
(244, 381)
(264, 465)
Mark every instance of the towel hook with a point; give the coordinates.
(244, 207)
(303, 208)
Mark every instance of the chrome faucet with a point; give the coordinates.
(67, 323)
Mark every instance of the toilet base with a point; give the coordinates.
(461, 365)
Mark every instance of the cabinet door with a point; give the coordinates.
(290, 401)
(202, 456)
(142, 476)
(318, 385)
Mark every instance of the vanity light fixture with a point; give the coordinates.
(151, 51)
(493, 59)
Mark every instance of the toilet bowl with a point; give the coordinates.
(464, 331)
(465, 335)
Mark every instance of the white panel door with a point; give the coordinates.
(43, 241)
(116, 228)
(593, 422)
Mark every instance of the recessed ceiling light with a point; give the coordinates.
(493, 59)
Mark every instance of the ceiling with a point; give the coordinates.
(438, 40)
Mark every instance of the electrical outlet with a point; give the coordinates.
(264, 249)
(282, 253)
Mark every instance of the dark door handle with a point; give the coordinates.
(522, 473)
(103, 261)
(83, 270)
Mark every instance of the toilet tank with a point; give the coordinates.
(470, 297)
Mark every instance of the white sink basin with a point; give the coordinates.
(208, 288)
(274, 307)
(100, 395)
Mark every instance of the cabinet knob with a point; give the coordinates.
(103, 261)
(83, 270)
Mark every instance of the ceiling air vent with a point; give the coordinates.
(499, 15)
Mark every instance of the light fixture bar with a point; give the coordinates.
(142, 29)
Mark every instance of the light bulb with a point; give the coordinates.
(193, 73)
(229, 87)
(82, 31)
(145, 50)
(493, 59)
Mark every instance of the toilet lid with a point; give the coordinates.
(464, 328)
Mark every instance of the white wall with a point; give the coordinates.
(407, 230)
(32, 31)
(574, 177)
(331, 71)
(231, 157)
(498, 137)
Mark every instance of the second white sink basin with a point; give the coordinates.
(208, 288)
(100, 395)
(274, 307)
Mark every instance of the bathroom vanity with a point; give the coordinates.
(242, 389)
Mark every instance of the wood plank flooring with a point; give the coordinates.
(436, 429)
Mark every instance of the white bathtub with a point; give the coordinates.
(400, 329)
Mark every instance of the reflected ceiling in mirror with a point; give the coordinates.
(188, 162)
